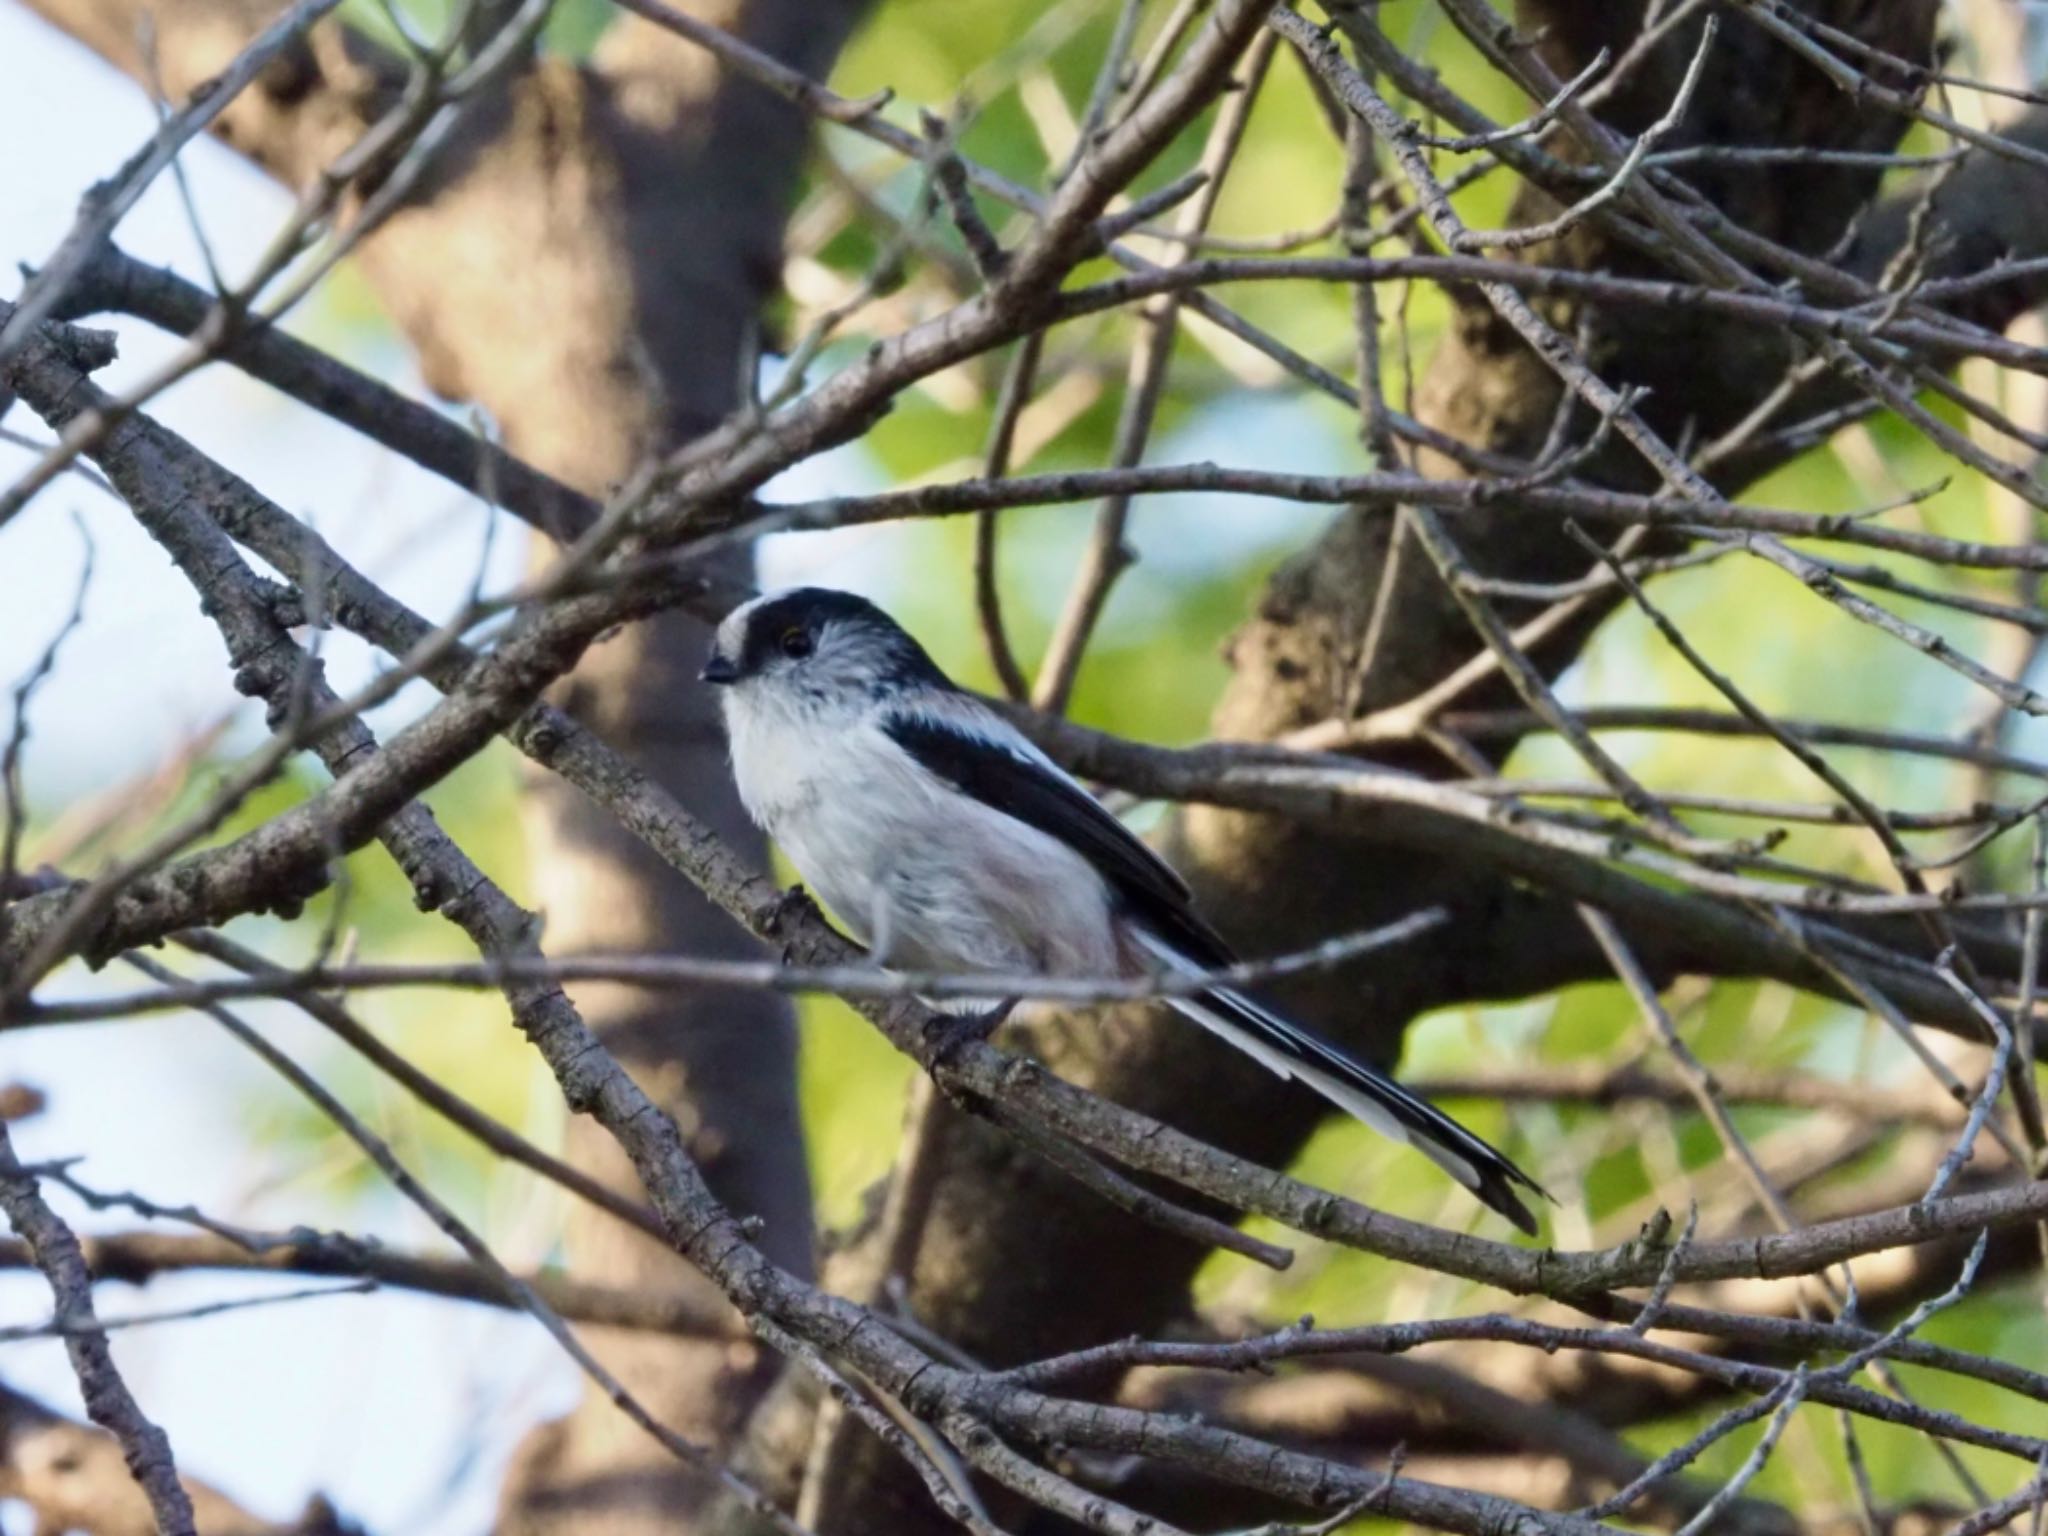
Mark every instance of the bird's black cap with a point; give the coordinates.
(755, 634)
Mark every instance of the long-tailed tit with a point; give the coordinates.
(949, 843)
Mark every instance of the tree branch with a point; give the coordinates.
(144, 1447)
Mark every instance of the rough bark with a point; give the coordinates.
(585, 261)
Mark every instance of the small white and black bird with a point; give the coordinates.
(950, 844)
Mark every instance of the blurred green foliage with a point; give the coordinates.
(1158, 672)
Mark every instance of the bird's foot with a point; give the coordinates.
(792, 907)
(947, 1033)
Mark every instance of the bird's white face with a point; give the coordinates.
(757, 644)
(817, 650)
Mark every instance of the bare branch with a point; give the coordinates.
(145, 1448)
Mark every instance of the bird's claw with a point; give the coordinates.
(791, 907)
(948, 1033)
(793, 904)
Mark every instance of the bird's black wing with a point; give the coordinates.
(983, 759)
(1013, 779)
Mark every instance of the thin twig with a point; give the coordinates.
(108, 1402)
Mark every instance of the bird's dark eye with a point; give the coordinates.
(796, 643)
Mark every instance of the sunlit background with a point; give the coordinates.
(404, 1410)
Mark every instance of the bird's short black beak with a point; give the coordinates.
(720, 669)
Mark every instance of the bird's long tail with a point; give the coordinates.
(1286, 1048)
